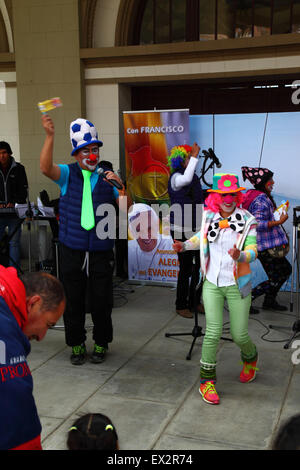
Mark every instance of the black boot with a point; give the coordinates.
(272, 304)
(254, 311)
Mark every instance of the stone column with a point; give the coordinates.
(46, 35)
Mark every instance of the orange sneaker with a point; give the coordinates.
(208, 392)
(249, 371)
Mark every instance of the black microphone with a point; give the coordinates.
(214, 158)
(211, 154)
(115, 183)
(29, 212)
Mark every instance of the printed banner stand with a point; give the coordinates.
(149, 137)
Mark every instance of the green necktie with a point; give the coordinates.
(87, 210)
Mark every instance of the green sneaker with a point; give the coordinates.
(98, 354)
(78, 355)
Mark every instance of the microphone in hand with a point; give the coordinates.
(115, 183)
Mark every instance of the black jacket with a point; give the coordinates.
(13, 184)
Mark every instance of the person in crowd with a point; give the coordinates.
(85, 253)
(270, 234)
(149, 247)
(93, 431)
(288, 436)
(227, 242)
(13, 189)
(185, 190)
(29, 306)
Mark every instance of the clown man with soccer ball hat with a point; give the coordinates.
(86, 260)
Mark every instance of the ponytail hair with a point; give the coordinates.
(261, 187)
(93, 431)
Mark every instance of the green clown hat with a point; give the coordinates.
(225, 183)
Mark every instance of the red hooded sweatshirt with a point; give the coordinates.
(14, 294)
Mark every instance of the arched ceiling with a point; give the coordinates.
(129, 15)
(87, 10)
(6, 32)
(119, 25)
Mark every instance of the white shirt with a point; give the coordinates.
(178, 181)
(220, 266)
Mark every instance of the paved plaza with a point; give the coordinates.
(150, 390)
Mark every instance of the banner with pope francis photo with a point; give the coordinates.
(149, 137)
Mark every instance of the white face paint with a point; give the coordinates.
(88, 157)
(90, 164)
(228, 207)
(228, 204)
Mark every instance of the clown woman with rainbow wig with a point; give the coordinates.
(185, 190)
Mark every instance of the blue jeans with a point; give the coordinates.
(14, 244)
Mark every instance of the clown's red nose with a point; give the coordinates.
(228, 199)
(93, 157)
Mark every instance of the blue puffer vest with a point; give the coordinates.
(190, 194)
(71, 233)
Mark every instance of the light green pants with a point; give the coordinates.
(213, 299)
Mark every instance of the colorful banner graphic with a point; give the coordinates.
(149, 138)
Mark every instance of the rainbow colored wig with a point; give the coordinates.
(178, 156)
(214, 200)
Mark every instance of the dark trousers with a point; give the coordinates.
(100, 290)
(121, 257)
(14, 226)
(189, 267)
(278, 271)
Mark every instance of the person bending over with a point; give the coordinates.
(29, 306)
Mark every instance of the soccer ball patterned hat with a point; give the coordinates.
(83, 133)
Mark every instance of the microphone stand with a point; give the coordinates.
(4, 244)
(206, 170)
(208, 156)
(197, 330)
(295, 261)
(29, 218)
